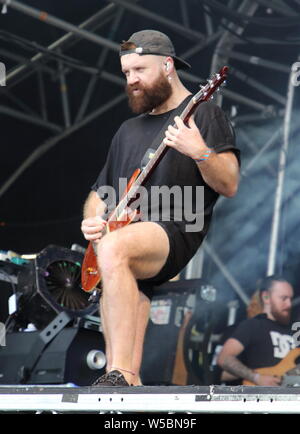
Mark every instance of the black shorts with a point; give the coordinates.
(181, 252)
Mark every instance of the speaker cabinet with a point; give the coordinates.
(66, 359)
(161, 347)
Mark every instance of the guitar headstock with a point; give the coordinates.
(212, 84)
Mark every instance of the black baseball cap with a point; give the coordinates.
(155, 43)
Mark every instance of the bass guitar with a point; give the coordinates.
(284, 367)
(122, 215)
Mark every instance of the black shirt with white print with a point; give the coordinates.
(265, 342)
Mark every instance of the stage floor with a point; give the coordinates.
(150, 399)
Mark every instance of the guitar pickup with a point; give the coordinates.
(92, 271)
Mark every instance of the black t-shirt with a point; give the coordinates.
(133, 139)
(265, 342)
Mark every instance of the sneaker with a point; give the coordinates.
(113, 378)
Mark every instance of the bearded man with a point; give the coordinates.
(137, 257)
(262, 341)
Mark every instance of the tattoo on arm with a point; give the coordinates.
(234, 366)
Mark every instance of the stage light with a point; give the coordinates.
(50, 284)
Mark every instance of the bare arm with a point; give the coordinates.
(93, 206)
(229, 362)
(92, 223)
(220, 171)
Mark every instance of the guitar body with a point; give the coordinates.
(285, 365)
(90, 273)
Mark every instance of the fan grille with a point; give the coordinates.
(63, 285)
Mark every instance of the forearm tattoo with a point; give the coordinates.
(234, 366)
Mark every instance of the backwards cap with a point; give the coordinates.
(156, 43)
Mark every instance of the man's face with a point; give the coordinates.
(280, 298)
(147, 84)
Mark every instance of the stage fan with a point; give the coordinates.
(52, 284)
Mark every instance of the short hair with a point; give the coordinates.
(266, 283)
(255, 305)
(127, 45)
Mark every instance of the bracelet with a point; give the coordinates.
(256, 377)
(204, 156)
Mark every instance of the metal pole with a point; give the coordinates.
(258, 153)
(228, 40)
(195, 267)
(228, 276)
(61, 24)
(52, 141)
(261, 117)
(186, 32)
(280, 7)
(229, 93)
(25, 63)
(254, 60)
(42, 94)
(64, 95)
(15, 100)
(201, 45)
(258, 85)
(100, 63)
(208, 20)
(58, 43)
(280, 180)
(28, 118)
(257, 156)
(184, 13)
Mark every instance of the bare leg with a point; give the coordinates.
(136, 251)
(120, 305)
(142, 321)
(106, 339)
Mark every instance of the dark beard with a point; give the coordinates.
(151, 97)
(282, 319)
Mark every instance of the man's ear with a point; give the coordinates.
(168, 64)
(265, 296)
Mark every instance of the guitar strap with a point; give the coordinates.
(161, 133)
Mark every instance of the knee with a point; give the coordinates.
(111, 254)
